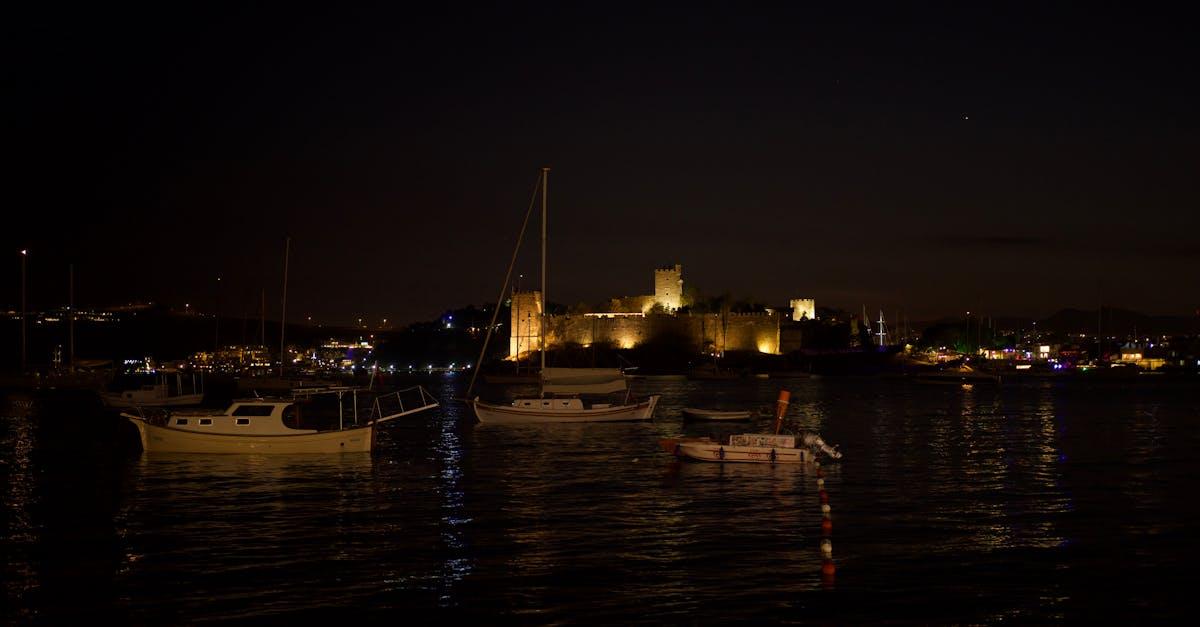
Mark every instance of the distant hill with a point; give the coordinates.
(1116, 322)
(1119, 322)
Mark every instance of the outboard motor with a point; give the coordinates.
(814, 441)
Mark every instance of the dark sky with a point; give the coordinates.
(1006, 159)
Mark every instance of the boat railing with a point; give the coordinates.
(400, 403)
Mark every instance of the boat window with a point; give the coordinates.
(181, 421)
(291, 417)
(253, 410)
(243, 421)
(204, 422)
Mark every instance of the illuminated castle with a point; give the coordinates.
(631, 320)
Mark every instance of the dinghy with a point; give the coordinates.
(693, 413)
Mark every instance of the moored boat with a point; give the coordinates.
(759, 448)
(276, 426)
(562, 389)
(575, 382)
(694, 413)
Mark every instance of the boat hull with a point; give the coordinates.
(488, 413)
(156, 439)
(707, 414)
(724, 453)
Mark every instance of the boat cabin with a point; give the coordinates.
(312, 411)
(245, 418)
(556, 404)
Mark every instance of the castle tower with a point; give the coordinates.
(804, 308)
(526, 329)
(668, 287)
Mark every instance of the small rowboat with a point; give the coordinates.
(692, 413)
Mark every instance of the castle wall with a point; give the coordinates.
(705, 332)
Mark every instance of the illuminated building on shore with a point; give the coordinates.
(632, 320)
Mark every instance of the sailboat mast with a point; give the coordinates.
(545, 300)
(287, 248)
(71, 311)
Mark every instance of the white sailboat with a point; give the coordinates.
(571, 383)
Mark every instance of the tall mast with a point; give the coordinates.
(545, 300)
(287, 247)
(283, 312)
(24, 254)
(71, 313)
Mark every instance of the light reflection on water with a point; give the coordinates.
(951, 505)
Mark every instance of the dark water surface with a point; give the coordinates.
(1014, 504)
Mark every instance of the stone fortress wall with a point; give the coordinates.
(705, 332)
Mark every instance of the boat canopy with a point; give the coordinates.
(582, 380)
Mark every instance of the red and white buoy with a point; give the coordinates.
(827, 567)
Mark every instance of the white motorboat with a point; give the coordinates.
(160, 394)
(564, 385)
(293, 425)
(693, 413)
(757, 448)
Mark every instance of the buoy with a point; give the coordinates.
(820, 483)
(824, 496)
(820, 474)
(828, 568)
(781, 407)
(825, 509)
(826, 526)
(827, 549)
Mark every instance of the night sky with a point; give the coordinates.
(1007, 159)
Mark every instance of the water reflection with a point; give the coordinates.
(20, 536)
(985, 504)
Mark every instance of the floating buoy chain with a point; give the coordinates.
(827, 567)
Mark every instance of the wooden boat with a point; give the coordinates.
(275, 426)
(693, 413)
